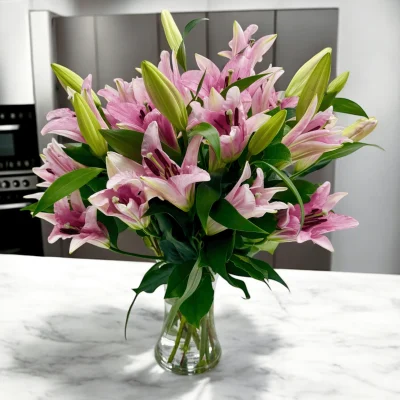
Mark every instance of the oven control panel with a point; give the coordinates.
(14, 183)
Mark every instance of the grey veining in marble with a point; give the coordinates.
(335, 336)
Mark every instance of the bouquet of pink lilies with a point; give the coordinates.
(205, 165)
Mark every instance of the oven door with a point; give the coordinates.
(19, 232)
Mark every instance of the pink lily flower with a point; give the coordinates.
(173, 74)
(168, 180)
(126, 197)
(245, 54)
(250, 201)
(129, 107)
(243, 44)
(266, 98)
(56, 164)
(63, 121)
(313, 135)
(72, 220)
(230, 119)
(319, 219)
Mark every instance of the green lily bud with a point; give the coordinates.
(266, 133)
(333, 89)
(360, 129)
(164, 95)
(89, 126)
(315, 86)
(70, 79)
(300, 78)
(338, 83)
(172, 33)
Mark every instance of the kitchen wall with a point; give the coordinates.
(368, 43)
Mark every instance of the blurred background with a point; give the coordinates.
(110, 38)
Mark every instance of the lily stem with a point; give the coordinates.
(187, 343)
(177, 340)
(116, 250)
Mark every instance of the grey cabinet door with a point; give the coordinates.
(221, 31)
(75, 49)
(123, 41)
(195, 41)
(301, 34)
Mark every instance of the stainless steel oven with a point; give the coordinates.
(19, 232)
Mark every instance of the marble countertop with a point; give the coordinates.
(335, 336)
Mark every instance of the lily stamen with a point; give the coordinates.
(161, 158)
(236, 116)
(229, 117)
(230, 73)
(153, 168)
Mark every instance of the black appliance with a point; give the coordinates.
(19, 232)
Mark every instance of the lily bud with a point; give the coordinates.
(299, 80)
(172, 33)
(266, 133)
(164, 95)
(360, 129)
(333, 89)
(338, 83)
(69, 79)
(89, 126)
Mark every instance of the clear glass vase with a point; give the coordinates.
(186, 349)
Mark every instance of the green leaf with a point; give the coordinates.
(315, 86)
(65, 185)
(158, 206)
(267, 222)
(291, 113)
(347, 106)
(326, 158)
(31, 207)
(156, 276)
(128, 143)
(277, 154)
(181, 56)
(191, 24)
(176, 249)
(199, 303)
(305, 189)
(243, 84)
(206, 195)
(200, 85)
(178, 279)
(267, 270)
(225, 214)
(193, 283)
(241, 263)
(290, 185)
(210, 133)
(218, 251)
(266, 133)
(81, 153)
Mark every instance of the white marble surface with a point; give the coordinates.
(335, 336)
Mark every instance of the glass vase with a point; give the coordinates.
(186, 349)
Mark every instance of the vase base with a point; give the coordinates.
(194, 369)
